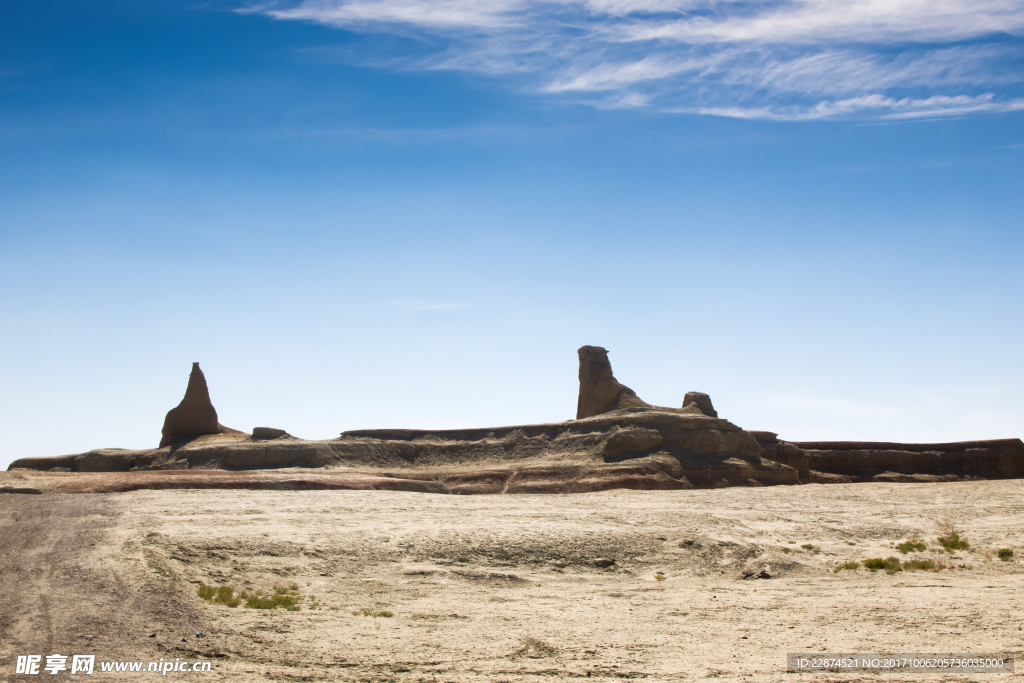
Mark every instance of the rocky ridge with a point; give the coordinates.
(617, 441)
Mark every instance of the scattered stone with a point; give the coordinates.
(604, 562)
(764, 573)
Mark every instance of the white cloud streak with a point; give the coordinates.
(776, 59)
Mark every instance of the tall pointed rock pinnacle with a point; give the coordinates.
(195, 415)
(600, 392)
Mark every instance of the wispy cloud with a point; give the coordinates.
(420, 305)
(881, 107)
(782, 59)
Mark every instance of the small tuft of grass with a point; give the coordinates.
(949, 535)
(288, 602)
(915, 565)
(220, 595)
(809, 547)
(787, 550)
(846, 565)
(370, 613)
(660, 577)
(913, 544)
(1006, 554)
(850, 543)
(283, 597)
(791, 542)
(891, 565)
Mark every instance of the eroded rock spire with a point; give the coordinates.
(195, 415)
(600, 392)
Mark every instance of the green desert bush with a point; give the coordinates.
(952, 542)
(891, 565)
(1006, 554)
(288, 602)
(949, 535)
(913, 544)
(284, 597)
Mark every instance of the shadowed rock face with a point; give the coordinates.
(195, 415)
(600, 392)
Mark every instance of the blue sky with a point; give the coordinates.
(401, 213)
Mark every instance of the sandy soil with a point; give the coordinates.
(507, 588)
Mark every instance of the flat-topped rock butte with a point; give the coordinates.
(617, 441)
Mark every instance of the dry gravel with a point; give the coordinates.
(508, 588)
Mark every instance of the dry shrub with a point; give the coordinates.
(846, 565)
(916, 565)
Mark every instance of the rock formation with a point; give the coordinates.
(600, 392)
(269, 433)
(616, 442)
(701, 401)
(194, 416)
(885, 461)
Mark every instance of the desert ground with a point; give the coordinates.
(509, 587)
